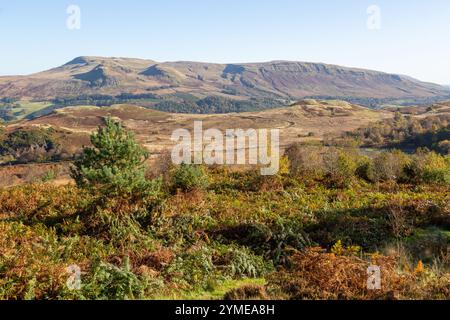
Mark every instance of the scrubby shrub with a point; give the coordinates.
(305, 161)
(389, 166)
(399, 220)
(275, 241)
(340, 168)
(49, 176)
(189, 177)
(341, 250)
(426, 245)
(365, 169)
(385, 166)
(429, 167)
(366, 229)
(444, 147)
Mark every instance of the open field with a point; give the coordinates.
(20, 110)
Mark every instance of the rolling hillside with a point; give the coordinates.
(280, 80)
(307, 119)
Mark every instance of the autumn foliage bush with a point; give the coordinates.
(316, 274)
(37, 202)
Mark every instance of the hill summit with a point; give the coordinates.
(273, 80)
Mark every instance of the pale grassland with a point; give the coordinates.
(26, 108)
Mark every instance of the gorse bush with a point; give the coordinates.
(274, 241)
(428, 244)
(364, 228)
(365, 169)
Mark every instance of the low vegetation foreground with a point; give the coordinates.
(123, 227)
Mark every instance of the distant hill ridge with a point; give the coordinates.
(273, 80)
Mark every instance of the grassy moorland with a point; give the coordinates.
(191, 232)
(18, 110)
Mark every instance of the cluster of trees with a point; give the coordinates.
(6, 114)
(210, 104)
(6, 109)
(338, 167)
(175, 104)
(29, 145)
(406, 132)
(216, 104)
(376, 103)
(102, 100)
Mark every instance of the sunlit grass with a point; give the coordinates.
(26, 108)
(217, 293)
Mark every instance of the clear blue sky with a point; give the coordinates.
(414, 38)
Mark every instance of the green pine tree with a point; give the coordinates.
(113, 171)
(114, 166)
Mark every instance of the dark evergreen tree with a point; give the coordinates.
(114, 165)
